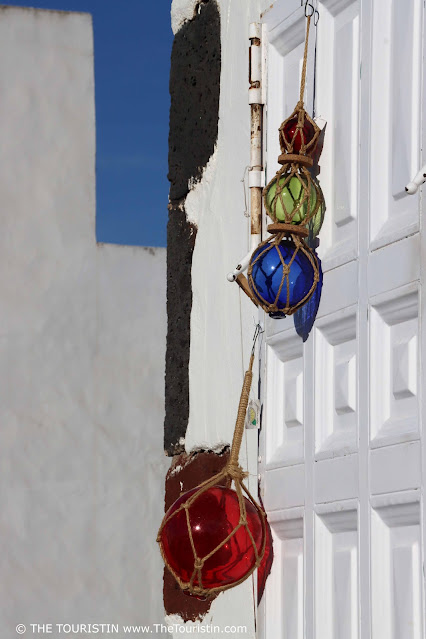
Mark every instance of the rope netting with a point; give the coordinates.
(293, 196)
(284, 271)
(295, 203)
(232, 472)
(279, 304)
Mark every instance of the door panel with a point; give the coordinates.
(337, 100)
(284, 445)
(285, 605)
(396, 571)
(336, 570)
(394, 410)
(336, 377)
(395, 118)
(342, 454)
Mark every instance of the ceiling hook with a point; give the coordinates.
(309, 9)
(258, 331)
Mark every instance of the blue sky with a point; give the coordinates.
(133, 40)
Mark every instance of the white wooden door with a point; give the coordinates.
(342, 454)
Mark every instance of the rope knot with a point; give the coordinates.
(236, 472)
(198, 563)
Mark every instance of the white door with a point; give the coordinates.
(342, 455)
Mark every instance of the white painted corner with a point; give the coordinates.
(182, 11)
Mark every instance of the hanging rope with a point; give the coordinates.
(295, 203)
(296, 163)
(231, 472)
(305, 62)
(241, 416)
(298, 133)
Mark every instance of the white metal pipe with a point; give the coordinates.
(255, 99)
(256, 174)
(256, 179)
(255, 30)
(256, 62)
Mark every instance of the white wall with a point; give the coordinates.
(222, 319)
(82, 346)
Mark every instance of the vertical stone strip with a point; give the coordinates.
(194, 116)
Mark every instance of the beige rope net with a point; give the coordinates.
(299, 112)
(278, 305)
(232, 472)
(293, 196)
(295, 203)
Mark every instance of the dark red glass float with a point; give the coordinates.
(213, 516)
(266, 563)
(289, 130)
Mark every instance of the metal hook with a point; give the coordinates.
(246, 212)
(258, 331)
(316, 14)
(310, 11)
(310, 6)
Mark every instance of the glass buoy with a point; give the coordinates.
(213, 516)
(287, 202)
(268, 273)
(295, 139)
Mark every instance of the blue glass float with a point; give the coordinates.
(266, 276)
(304, 318)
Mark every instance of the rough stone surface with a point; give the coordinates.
(194, 92)
(194, 113)
(180, 246)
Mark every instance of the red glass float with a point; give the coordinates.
(293, 139)
(213, 518)
(266, 563)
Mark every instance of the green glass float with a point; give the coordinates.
(287, 200)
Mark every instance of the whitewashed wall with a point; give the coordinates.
(82, 345)
(222, 319)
